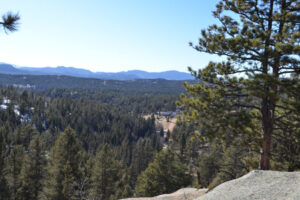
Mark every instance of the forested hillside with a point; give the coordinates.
(153, 86)
(56, 145)
(90, 130)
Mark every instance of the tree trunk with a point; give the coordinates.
(198, 177)
(267, 131)
(267, 107)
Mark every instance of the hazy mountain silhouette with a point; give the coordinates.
(77, 72)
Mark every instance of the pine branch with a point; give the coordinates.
(10, 22)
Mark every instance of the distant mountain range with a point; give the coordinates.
(83, 73)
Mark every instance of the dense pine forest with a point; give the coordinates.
(45, 134)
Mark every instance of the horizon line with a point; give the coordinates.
(40, 67)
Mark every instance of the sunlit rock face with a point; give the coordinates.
(259, 185)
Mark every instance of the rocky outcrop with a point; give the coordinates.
(258, 185)
(182, 194)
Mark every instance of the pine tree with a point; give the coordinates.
(287, 145)
(68, 182)
(105, 175)
(127, 192)
(126, 150)
(224, 164)
(14, 165)
(245, 93)
(63, 167)
(142, 154)
(84, 182)
(32, 171)
(4, 188)
(165, 174)
(209, 165)
(122, 187)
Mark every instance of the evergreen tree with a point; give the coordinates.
(127, 192)
(244, 94)
(14, 165)
(32, 171)
(287, 137)
(84, 182)
(126, 151)
(63, 167)
(4, 188)
(105, 175)
(68, 182)
(27, 132)
(232, 165)
(165, 174)
(123, 188)
(209, 165)
(142, 155)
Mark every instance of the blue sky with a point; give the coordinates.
(107, 35)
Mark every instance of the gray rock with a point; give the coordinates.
(182, 194)
(258, 185)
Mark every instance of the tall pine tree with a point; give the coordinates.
(165, 174)
(14, 165)
(32, 172)
(4, 189)
(106, 174)
(62, 168)
(245, 93)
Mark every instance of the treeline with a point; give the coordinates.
(81, 148)
(139, 86)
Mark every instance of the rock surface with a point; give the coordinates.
(182, 194)
(258, 185)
